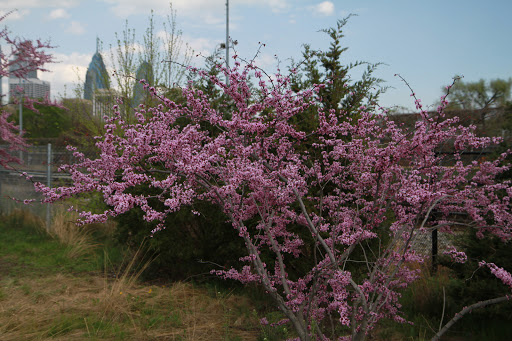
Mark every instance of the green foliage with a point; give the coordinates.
(329, 68)
(49, 122)
(274, 333)
(71, 124)
(218, 100)
(423, 303)
(190, 245)
(478, 283)
(84, 125)
(208, 87)
(480, 94)
(507, 119)
(485, 104)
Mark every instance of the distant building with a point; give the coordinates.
(29, 86)
(144, 71)
(96, 77)
(103, 100)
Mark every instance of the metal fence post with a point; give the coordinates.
(434, 251)
(21, 120)
(48, 183)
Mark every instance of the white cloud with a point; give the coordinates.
(76, 28)
(23, 7)
(59, 13)
(325, 8)
(23, 4)
(213, 20)
(202, 9)
(266, 61)
(201, 46)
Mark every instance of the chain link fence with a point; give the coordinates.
(41, 164)
(433, 244)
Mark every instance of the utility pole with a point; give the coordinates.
(227, 40)
(21, 109)
(49, 160)
(21, 114)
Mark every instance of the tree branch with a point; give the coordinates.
(466, 310)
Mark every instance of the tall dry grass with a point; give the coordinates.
(78, 238)
(63, 307)
(18, 218)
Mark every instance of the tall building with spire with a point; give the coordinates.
(96, 77)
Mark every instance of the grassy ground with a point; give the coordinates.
(76, 284)
(64, 287)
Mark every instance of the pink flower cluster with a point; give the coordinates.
(457, 256)
(500, 273)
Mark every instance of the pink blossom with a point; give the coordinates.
(457, 256)
(500, 273)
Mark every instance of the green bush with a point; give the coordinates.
(49, 122)
(189, 246)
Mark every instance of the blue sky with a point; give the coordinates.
(427, 42)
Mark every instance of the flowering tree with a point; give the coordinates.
(352, 205)
(8, 133)
(23, 57)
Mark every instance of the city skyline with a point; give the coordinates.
(427, 43)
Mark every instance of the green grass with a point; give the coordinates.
(24, 249)
(45, 294)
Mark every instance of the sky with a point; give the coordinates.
(426, 42)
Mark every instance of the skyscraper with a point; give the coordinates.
(97, 77)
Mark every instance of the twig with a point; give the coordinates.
(444, 306)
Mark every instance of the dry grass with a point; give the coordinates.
(77, 238)
(427, 289)
(61, 307)
(66, 307)
(19, 217)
